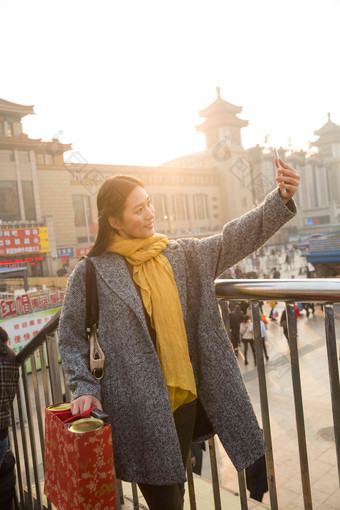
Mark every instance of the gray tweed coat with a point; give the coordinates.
(133, 391)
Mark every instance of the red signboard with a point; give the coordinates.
(24, 304)
(82, 251)
(24, 240)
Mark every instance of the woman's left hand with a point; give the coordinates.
(288, 180)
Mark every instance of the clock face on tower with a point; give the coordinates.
(235, 137)
(212, 139)
(221, 151)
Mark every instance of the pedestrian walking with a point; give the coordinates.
(284, 322)
(164, 341)
(273, 310)
(276, 273)
(247, 336)
(235, 319)
(7, 481)
(307, 306)
(9, 377)
(310, 270)
(264, 338)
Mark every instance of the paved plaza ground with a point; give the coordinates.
(317, 411)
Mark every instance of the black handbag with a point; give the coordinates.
(97, 356)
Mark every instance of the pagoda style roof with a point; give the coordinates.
(221, 113)
(329, 133)
(23, 142)
(14, 109)
(329, 127)
(220, 105)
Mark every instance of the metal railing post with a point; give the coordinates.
(191, 487)
(264, 406)
(243, 490)
(300, 422)
(31, 435)
(214, 474)
(53, 364)
(25, 453)
(17, 455)
(333, 376)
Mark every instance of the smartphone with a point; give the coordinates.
(97, 413)
(278, 162)
(277, 157)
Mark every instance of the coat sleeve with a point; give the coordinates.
(73, 344)
(240, 237)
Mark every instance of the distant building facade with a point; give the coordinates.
(318, 196)
(48, 198)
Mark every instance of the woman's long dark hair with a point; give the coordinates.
(3, 341)
(111, 200)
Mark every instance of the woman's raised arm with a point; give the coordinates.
(240, 237)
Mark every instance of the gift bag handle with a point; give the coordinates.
(77, 416)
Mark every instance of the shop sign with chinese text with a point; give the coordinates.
(65, 252)
(24, 240)
(82, 251)
(25, 304)
(21, 329)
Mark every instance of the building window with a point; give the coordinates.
(48, 159)
(1, 129)
(160, 204)
(24, 157)
(200, 206)
(180, 206)
(85, 239)
(6, 155)
(82, 210)
(40, 159)
(9, 201)
(27, 191)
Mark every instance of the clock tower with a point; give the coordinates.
(222, 127)
(224, 151)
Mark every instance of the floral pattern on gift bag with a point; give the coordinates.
(79, 471)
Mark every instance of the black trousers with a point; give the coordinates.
(171, 497)
(252, 345)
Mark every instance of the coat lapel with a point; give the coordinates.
(112, 268)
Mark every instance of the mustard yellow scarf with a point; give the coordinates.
(153, 273)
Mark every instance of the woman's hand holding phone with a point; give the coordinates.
(287, 178)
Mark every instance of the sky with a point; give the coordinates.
(124, 81)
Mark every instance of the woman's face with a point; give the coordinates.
(138, 216)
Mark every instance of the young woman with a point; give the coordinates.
(170, 372)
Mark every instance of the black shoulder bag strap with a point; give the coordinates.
(97, 356)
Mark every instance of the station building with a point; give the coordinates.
(48, 191)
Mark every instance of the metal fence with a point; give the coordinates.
(47, 386)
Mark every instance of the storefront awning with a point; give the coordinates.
(323, 257)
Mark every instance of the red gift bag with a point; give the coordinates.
(79, 470)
